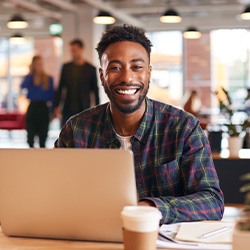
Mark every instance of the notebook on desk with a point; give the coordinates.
(65, 193)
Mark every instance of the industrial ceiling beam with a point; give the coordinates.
(182, 8)
(37, 8)
(121, 15)
(63, 5)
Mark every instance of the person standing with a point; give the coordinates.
(40, 92)
(78, 81)
(193, 103)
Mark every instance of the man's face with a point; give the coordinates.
(76, 51)
(125, 74)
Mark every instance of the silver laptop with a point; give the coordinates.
(65, 193)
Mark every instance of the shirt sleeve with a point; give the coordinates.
(61, 85)
(203, 198)
(51, 93)
(94, 87)
(26, 81)
(65, 139)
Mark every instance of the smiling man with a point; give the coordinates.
(173, 163)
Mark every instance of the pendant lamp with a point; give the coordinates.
(17, 38)
(170, 16)
(245, 15)
(104, 17)
(192, 33)
(17, 22)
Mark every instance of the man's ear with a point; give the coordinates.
(149, 72)
(101, 76)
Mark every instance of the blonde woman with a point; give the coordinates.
(40, 92)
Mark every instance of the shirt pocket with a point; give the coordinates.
(167, 179)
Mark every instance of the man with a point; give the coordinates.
(77, 82)
(173, 164)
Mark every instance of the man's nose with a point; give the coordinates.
(127, 76)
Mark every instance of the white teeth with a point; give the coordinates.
(126, 91)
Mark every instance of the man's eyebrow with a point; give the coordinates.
(138, 60)
(132, 61)
(114, 61)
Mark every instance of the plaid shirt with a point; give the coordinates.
(173, 164)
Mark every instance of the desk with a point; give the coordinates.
(17, 243)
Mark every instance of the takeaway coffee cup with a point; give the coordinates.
(140, 227)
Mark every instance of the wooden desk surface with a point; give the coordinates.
(18, 243)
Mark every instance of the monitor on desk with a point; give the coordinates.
(65, 193)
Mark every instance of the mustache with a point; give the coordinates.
(129, 84)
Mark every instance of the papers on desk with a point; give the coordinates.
(203, 235)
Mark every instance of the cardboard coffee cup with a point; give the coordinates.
(140, 227)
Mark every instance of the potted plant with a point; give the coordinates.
(241, 232)
(235, 128)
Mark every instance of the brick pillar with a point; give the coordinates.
(197, 67)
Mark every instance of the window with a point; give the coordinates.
(230, 53)
(166, 59)
(15, 60)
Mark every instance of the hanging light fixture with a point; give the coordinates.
(192, 33)
(17, 38)
(245, 15)
(17, 22)
(170, 16)
(104, 17)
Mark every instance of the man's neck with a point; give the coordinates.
(79, 61)
(127, 124)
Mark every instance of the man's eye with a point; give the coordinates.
(137, 67)
(114, 68)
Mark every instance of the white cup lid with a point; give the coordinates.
(141, 218)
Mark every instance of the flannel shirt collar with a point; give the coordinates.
(142, 132)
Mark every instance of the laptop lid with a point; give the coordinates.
(65, 193)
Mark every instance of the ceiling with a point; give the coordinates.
(204, 14)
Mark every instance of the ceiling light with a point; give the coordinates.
(192, 33)
(17, 38)
(245, 15)
(17, 22)
(170, 16)
(104, 17)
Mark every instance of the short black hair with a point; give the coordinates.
(123, 33)
(77, 42)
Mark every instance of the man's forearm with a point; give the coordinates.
(206, 205)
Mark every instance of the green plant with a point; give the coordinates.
(226, 108)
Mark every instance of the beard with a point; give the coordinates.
(127, 107)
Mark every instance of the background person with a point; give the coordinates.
(173, 163)
(78, 81)
(40, 92)
(193, 103)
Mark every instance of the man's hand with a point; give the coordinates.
(146, 203)
(57, 113)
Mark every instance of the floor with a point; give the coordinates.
(18, 138)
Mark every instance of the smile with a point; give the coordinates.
(127, 91)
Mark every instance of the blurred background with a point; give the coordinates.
(218, 56)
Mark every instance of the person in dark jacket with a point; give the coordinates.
(78, 81)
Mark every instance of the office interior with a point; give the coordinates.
(219, 58)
